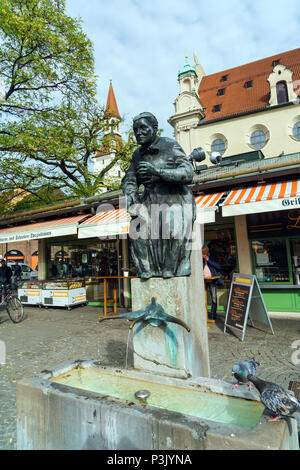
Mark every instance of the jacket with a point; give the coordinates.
(5, 274)
(213, 265)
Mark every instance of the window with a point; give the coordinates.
(296, 130)
(224, 78)
(221, 92)
(74, 259)
(223, 246)
(218, 145)
(217, 108)
(276, 62)
(282, 93)
(258, 139)
(270, 260)
(249, 84)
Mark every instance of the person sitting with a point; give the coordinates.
(211, 269)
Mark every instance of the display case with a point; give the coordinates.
(271, 261)
(30, 292)
(63, 293)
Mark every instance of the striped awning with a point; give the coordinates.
(48, 229)
(262, 198)
(117, 221)
(207, 206)
(106, 223)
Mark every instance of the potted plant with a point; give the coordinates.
(126, 272)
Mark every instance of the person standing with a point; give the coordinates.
(18, 272)
(211, 269)
(5, 275)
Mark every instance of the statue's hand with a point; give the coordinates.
(145, 170)
(131, 200)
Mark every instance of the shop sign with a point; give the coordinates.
(11, 237)
(245, 302)
(275, 224)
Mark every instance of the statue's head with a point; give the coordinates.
(145, 127)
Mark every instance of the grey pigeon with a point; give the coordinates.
(153, 313)
(242, 369)
(279, 402)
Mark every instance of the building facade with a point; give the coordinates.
(251, 107)
(250, 117)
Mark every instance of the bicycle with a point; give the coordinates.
(14, 306)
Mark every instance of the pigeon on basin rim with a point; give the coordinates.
(242, 369)
(280, 402)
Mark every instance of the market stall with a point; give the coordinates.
(63, 293)
(58, 293)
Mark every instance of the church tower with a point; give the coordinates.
(105, 156)
(188, 108)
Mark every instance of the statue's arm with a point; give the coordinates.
(180, 169)
(130, 184)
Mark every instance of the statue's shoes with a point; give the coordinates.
(147, 275)
(167, 274)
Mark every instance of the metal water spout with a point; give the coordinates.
(142, 396)
(153, 314)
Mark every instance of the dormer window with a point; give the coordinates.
(224, 78)
(276, 62)
(249, 84)
(217, 108)
(221, 92)
(282, 93)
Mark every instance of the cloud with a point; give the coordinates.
(141, 44)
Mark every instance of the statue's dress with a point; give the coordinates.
(161, 229)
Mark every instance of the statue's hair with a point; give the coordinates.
(149, 116)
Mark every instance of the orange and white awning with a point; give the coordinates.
(117, 221)
(51, 228)
(106, 223)
(262, 198)
(207, 206)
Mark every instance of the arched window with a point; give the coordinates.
(14, 256)
(258, 139)
(282, 93)
(296, 130)
(218, 145)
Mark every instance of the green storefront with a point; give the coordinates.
(274, 239)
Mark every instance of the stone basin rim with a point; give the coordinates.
(217, 435)
(201, 384)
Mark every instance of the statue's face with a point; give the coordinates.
(144, 132)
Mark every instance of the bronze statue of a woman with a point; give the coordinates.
(164, 212)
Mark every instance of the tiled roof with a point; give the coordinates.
(237, 99)
(111, 104)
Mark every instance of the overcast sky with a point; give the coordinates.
(142, 44)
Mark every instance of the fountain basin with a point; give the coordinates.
(85, 405)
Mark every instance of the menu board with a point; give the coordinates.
(245, 301)
(238, 305)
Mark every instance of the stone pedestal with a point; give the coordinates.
(169, 349)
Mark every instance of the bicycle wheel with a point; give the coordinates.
(15, 309)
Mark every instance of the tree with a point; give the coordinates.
(51, 124)
(44, 56)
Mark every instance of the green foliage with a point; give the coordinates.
(44, 54)
(50, 122)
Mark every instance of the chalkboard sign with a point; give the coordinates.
(245, 302)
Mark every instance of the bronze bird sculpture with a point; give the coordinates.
(153, 313)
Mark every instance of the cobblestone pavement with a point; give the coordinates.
(48, 337)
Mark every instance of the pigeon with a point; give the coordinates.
(153, 313)
(242, 369)
(279, 402)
